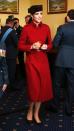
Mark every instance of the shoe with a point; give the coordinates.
(29, 121)
(37, 123)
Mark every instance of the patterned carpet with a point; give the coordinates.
(13, 107)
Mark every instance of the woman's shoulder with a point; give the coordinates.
(45, 26)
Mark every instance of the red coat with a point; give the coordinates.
(37, 66)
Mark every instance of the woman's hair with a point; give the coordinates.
(35, 8)
(30, 20)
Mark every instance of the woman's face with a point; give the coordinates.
(37, 17)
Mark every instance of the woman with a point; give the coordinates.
(36, 40)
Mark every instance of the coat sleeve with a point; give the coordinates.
(58, 37)
(49, 41)
(22, 44)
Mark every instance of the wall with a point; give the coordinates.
(23, 5)
(23, 8)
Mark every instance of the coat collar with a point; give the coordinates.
(40, 24)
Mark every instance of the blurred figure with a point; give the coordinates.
(3, 65)
(1, 26)
(11, 17)
(17, 27)
(64, 64)
(28, 19)
(11, 51)
(66, 19)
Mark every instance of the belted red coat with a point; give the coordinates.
(39, 84)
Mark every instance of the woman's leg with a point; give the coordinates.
(36, 112)
(30, 112)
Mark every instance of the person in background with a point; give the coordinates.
(1, 26)
(66, 19)
(35, 40)
(11, 51)
(18, 30)
(11, 16)
(17, 27)
(28, 19)
(64, 64)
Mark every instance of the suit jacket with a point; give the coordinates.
(64, 41)
(18, 31)
(11, 43)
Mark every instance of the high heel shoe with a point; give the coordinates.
(37, 122)
(29, 121)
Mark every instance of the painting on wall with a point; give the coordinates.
(9, 6)
(56, 6)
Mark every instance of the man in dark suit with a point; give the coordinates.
(64, 64)
(11, 51)
(18, 30)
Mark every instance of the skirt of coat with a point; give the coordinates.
(39, 84)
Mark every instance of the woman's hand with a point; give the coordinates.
(36, 45)
(44, 47)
